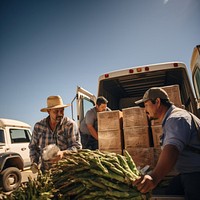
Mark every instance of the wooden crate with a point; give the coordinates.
(142, 156)
(157, 151)
(111, 139)
(173, 92)
(115, 151)
(136, 136)
(134, 116)
(157, 133)
(109, 120)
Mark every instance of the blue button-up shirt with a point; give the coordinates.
(179, 130)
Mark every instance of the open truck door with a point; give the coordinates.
(84, 101)
(195, 69)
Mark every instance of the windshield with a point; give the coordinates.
(197, 81)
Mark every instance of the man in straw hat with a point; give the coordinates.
(54, 129)
(180, 146)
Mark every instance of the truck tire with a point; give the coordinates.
(10, 179)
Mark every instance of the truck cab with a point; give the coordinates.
(14, 152)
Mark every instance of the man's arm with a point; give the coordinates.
(34, 150)
(92, 130)
(165, 164)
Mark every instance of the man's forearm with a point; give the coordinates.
(93, 132)
(166, 162)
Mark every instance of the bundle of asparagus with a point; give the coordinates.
(92, 175)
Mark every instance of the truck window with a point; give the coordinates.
(197, 81)
(19, 135)
(2, 139)
(87, 104)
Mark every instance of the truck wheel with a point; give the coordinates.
(10, 179)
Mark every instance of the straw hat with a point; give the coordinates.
(54, 102)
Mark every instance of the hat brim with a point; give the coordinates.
(141, 102)
(54, 107)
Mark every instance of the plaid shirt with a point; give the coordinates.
(66, 136)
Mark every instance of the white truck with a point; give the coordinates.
(14, 152)
(123, 87)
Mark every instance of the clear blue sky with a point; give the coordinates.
(49, 47)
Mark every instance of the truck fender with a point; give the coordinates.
(11, 159)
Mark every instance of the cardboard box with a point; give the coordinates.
(136, 136)
(109, 120)
(111, 139)
(134, 116)
(157, 133)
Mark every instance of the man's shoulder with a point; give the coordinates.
(42, 122)
(68, 121)
(91, 111)
(176, 111)
(178, 115)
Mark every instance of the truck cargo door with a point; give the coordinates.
(195, 69)
(84, 101)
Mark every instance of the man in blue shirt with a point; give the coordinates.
(180, 146)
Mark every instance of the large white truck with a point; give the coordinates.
(123, 87)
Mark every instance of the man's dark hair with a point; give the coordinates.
(165, 102)
(101, 100)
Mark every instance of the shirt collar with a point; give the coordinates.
(59, 124)
(172, 107)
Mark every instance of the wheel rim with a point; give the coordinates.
(12, 180)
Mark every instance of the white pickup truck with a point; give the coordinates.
(14, 152)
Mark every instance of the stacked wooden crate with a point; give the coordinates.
(136, 136)
(110, 136)
(130, 130)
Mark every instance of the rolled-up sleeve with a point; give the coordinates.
(176, 132)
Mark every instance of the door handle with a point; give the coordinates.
(23, 149)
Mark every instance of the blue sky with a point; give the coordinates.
(49, 47)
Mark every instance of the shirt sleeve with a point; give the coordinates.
(34, 152)
(90, 117)
(177, 132)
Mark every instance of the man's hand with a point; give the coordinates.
(34, 168)
(144, 184)
(57, 157)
